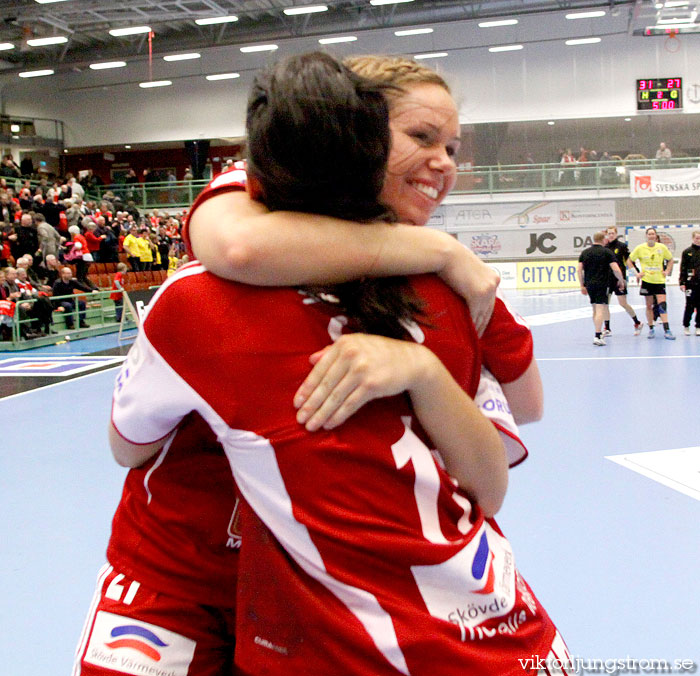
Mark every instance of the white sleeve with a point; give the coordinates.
(494, 405)
(150, 398)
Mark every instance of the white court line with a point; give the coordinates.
(671, 356)
(63, 382)
(676, 468)
(46, 367)
(545, 318)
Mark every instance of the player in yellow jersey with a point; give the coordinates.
(651, 256)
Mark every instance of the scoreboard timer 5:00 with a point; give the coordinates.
(664, 93)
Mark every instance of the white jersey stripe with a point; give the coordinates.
(104, 573)
(255, 468)
(157, 463)
(164, 397)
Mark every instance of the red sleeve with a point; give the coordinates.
(233, 179)
(506, 345)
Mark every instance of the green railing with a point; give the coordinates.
(99, 312)
(601, 175)
(167, 195)
(504, 178)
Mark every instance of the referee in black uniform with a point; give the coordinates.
(594, 266)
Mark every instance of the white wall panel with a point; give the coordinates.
(545, 80)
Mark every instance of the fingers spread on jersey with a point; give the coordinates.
(312, 380)
(327, 386)
(337, 406)
(355, 370)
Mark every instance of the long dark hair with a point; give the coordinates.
(318, 142)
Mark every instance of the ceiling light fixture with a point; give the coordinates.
(128, 147)
(107, 64)
(259, 48)
(506, 48)
(675, 3)
(14, 128)
(585, 15)
(682, 26)
(42, 42)
(340, 38)
(387, 2)
(310, 9)
(134, 30)
(551, 123)
(582, 41)
(413, 31)
(36, 73)
(182, 57)
(48, 2)
(676, 20)
(155, 83)
(431, 55)
(500, 22)
(4, 46)
(223, 76)
(216, 19)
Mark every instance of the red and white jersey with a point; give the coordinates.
(175, 529)
(385, 567)
(25, 286)
(7, 308)
(227, 181)
(507, 342)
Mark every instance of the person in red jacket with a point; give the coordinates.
(93, 241)
(117, 294)
(78, 249)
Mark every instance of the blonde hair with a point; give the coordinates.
(399, 71)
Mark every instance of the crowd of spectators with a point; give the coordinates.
(588, 166)
(48, 228)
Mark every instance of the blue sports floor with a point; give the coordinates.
(610, 546)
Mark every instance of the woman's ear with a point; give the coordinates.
(254, 188)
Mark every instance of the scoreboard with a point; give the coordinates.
(664, 93)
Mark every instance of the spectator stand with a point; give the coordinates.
(99, 312)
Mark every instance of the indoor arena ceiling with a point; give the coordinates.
(85, 23)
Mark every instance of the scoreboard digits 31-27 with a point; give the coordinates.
(665, 93)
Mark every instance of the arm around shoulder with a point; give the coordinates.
(237, 238)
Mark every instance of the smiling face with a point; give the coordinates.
(424, 142)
